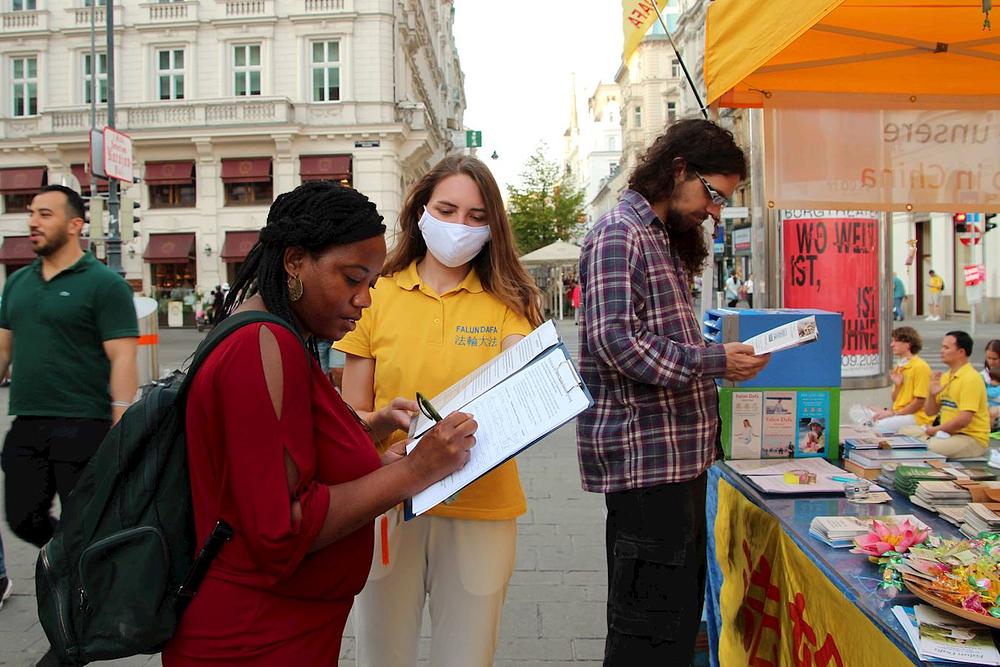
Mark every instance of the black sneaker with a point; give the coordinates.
(6, 586)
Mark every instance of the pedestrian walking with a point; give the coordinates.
(654, 428)
(453, 295)
(748, 290)
(733, 285)
(6, 585)
(68, 323)
(274, 450)
(218, 304)
(575, 301)
(898, 294)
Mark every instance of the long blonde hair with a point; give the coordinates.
(497, 264)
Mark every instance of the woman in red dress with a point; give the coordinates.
(274, 451)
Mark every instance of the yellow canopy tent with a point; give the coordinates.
(928, 52)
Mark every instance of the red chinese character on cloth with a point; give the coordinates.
(803, 655)
(753, 614)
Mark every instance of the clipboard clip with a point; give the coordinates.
(566, 368)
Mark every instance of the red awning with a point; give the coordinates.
(22, 181)
(169, 173)
(237, 245)
(18, 249)
(250, 170)
(169, 248)
(83, 175)
(325, 167)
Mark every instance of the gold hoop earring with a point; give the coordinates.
(294, 288)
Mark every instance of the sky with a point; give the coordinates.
(518, 57)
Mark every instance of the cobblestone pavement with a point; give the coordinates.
(554, 614)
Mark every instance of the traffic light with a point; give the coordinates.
(95, 216)
(989, 223)
(127, 219)
(959, 220)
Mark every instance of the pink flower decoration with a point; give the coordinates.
(888, 537)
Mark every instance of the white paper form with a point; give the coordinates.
(488, 375)
(511, 416)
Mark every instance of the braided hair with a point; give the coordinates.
(313, 216)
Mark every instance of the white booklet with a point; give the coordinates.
(516, 403)
(948, 637)
(785, 336)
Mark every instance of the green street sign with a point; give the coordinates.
(473, 139)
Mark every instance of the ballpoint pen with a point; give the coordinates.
(427, 409)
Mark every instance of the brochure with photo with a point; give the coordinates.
(786, 336)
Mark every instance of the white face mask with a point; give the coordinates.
(452, 244)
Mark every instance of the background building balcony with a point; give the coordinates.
(14, 23)
(79, 17)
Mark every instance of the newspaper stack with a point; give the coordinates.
(980, 518)
(840, 531)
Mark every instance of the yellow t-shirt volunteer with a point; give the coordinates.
(916, 384)
(425, 342)
(937, 283)
(964, 390)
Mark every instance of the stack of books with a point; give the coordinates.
(938, 636)
(840, 531)
(935, 495)
(884, 442)
(981, 518)
(868, 463)
(908, 476)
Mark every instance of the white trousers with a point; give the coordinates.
(892, 424)
(462, 565)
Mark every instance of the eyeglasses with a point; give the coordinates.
(717, 197)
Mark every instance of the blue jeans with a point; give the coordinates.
(897, 307)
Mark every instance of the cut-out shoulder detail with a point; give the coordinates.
(274, 376)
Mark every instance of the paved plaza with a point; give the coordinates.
(554, 613)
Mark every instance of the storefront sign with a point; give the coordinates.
(742, 241)
(974, 274)
(883, 159)
(777, 607)
(831, 262)
(117, 155)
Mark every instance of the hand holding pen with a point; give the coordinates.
(445, 448)
(431, 413)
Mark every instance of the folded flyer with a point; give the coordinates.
(786, 336)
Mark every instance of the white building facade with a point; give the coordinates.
(229, 103)
(594, 145)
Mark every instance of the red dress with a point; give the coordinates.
(266, 600)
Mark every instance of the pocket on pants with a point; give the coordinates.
(651, 586)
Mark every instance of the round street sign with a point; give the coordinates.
(973, 234)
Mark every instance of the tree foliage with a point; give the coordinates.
(546, 206)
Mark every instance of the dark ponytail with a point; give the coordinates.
(314, 216)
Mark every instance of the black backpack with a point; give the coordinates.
(116, 576)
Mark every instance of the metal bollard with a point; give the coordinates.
(147, 355)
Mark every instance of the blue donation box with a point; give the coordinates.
(792, 408)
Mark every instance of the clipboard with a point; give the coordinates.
(536, 387)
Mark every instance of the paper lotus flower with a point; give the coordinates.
(885, 537)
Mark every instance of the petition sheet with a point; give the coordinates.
(488, 375)
(511, 416)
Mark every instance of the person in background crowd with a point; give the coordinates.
(992, 364)
(911, 379)
(748, 290)
(575, 301)
(733, 286)
(898, 294)
(452, 296)
(289, 465)
(653, 431)
(6, 585)
(936, 287)
(68, 322)
(218, 304)
(959, 399)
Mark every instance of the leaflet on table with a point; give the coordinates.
(941, 637)
(769, 477)
(786, 336)
(514, 414)
(488, 375)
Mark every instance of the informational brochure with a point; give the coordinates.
(778, 427)
(517, 408)
(786, 336)
(747, 425)
(795, 476)
(943, 635)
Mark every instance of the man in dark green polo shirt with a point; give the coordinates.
(68, 325)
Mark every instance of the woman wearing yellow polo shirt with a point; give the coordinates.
(911, 379)
(453, 296)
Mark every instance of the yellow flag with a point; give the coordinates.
(637, 17)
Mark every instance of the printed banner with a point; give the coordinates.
(813, 420)
(637, 18)
(831, 262)
(746, 425)
(777, 608)
(779, 424)
(883, 159)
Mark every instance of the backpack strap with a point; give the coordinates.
(223, 331)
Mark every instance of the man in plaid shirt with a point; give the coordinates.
(654, 427)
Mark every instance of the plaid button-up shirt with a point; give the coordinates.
(655, 415)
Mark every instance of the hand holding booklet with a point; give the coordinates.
(517, 398)
(785, 336)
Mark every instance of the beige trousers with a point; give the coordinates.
(463, 566)
(954, 447)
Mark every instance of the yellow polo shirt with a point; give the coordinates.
(916, 384)
(425, 342)
(964, 390)
(937, 284)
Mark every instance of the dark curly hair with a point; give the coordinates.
(313, 216)
(909, 335)
(703, 146)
